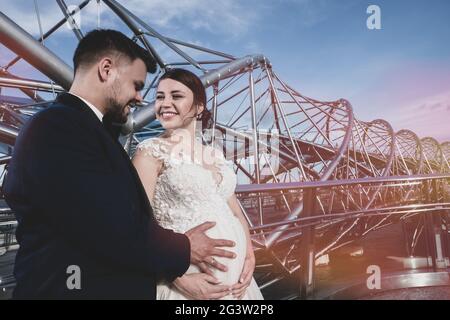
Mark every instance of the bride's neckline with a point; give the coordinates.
(216, 173)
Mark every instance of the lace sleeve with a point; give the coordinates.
(154, 147)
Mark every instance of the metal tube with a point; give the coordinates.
(252, 188)
(307, 254)
(117, 7)
(49, 32)
(8, 134)
(346, 140)
(255, 141)
(214, 113)
(29, 84)
(125, 17)
(286, 125)
(70, 19)
(18, 40)
(144, 115)
(28, 91)
(232, 67)
(193, 46)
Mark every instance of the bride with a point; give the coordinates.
(189, 183)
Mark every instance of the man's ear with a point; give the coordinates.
(105, 66)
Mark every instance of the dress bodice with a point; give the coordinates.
(189, 191)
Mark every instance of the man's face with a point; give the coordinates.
(125, 88)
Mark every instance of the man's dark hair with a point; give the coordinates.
(97, 43)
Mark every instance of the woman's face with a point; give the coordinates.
(173, 105)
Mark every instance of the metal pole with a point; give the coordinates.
(255, 141)
(437, 227)
(144, 115)
(214, 111)
(9, 134)
(50, 32)
(286, 125)
(29, 92)
(406, 237)
(307, 250)
(429, 230)
(193, 46)
(70, 19)
(117, 7)
(18, 40)
(98, 14)
(25, 84)
(125, 17)
(296, 212)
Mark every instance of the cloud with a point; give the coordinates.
(182, 19)
(229, 17)
(427, 116)
(23, 12)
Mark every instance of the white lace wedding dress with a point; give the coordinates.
(187, 194)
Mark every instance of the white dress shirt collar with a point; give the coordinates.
(92, 107)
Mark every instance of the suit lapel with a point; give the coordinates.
(107, 130)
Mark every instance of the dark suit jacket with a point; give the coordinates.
(79, 201)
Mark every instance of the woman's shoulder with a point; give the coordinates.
(158, 147)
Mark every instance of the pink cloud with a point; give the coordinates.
(413, 96)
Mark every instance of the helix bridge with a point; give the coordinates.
(313, 179)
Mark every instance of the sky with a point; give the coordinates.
(322, 48)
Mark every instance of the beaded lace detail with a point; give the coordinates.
(188, 192)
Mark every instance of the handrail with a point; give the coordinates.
(250, 188)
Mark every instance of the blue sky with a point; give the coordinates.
(322, 48)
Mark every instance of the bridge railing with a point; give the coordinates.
(317, 231)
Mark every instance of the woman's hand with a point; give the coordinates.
(245, 279)
(201, 286)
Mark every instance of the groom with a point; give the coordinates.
(85, 225)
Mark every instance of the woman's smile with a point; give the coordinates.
(167, 115)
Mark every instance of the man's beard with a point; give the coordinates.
(116, 111)
(115, 108)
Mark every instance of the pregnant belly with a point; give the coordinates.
(228, 229)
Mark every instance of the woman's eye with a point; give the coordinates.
(159, 97)
(177, 97)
